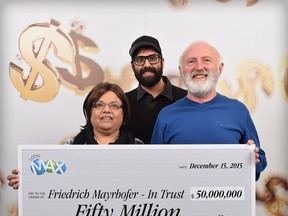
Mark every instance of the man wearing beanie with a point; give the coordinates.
(154, 91)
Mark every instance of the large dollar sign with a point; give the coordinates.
(42, 83)
(76, 80)
(251, 73)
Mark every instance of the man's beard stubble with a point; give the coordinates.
(148, 81)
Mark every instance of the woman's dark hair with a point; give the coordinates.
(97, 92)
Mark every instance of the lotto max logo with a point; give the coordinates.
(39, 167)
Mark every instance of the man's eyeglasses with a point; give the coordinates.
(153, 59)
(112, 106)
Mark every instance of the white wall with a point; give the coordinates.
(243, 34)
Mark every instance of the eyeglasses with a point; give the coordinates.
(112, 106)
(140, 60)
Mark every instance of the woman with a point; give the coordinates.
(106, 110)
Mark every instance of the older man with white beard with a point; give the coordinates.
(205, 116)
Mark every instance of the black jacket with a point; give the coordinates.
(86, 137)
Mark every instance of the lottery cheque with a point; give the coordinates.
(136, 180)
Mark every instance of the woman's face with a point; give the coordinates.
(107, 113)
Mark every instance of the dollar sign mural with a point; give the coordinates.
(94, 74)
(283, 77)
(251, 74)
(42, 83)
(274, 196)
(126, 79)
(248, 2)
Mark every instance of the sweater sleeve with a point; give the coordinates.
(262, 165)
(158, 132)
(251, 134)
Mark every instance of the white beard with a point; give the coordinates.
(201, 88)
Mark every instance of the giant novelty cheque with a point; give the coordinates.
(136, 180)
